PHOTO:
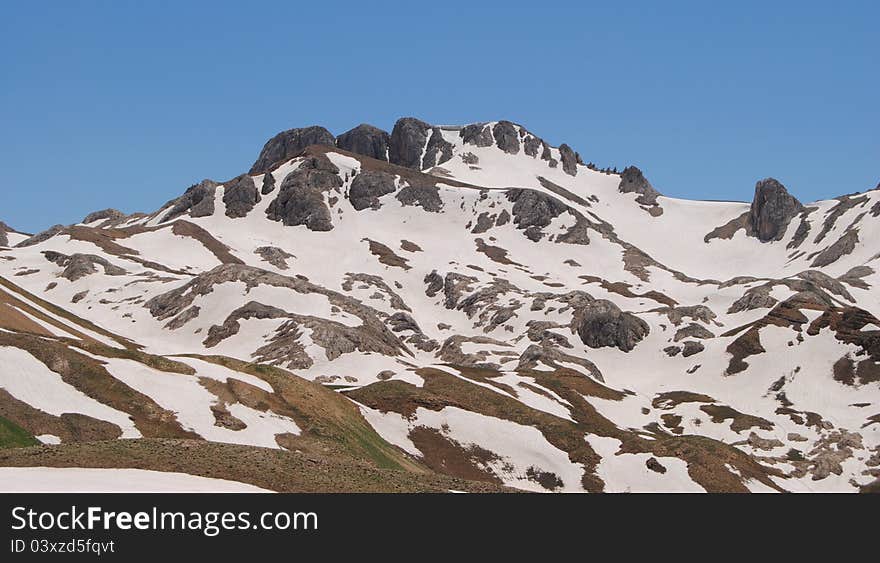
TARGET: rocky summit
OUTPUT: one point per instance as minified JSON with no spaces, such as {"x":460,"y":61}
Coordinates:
{"x":439,"y":308}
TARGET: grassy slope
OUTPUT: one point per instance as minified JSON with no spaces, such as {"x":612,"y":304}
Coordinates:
{"x":14,"y":436}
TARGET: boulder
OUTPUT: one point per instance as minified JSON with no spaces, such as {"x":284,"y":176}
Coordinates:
{"x":366,"y":140}
{"x":570,"y":159}
{"x":438,"y":151}
{"x":287,"y":144}
{"x":368,"y":186}
{"x":602,"y":323}
{"x":772,"y":209}
{"x":300,"y":199}
{"x":633,"y":181}
{"x":477,"y":134}
{"x":506,"y":137}
{"x":103,"y":214}
{"x":240,"y":195}
{"x":408,"y":139}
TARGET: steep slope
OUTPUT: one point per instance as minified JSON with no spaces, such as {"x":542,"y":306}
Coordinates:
{"x":498,"y":310}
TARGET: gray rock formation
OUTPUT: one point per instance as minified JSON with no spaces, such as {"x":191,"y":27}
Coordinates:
{"x":844,"y":245}
{"x":693,"y":330}
{"x":240,"y":195}
{"x":772,"y":209}
{"x":4,"y":229}
{"x":692,"y":347}
{"x":368,"y":186}
{"x":408,"y":140}
{"x":77,"y":266}
{"x":287,"y":144}
{"x":757,"y":297}
{"x":506,"y":137}
{"x":570,"y":159}
{"x":41,"y":236}
{"x":198,"y":200}
{"x":274,"y":255}
{"x":111,"y":214}
{"x":633,"y":181}
{"x":477,"y":134}
{"x":366,"y":140}
{"x":602,"y":323}
{"x":438,"y":151}
{"x":534,"y":210}
{"x":426,"y":196}
{"x":531,"y":144}
{"x":300,"y":199}
{"x":268,"y":184}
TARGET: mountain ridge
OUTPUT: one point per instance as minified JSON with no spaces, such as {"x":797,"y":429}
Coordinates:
{"x":496,"y":310}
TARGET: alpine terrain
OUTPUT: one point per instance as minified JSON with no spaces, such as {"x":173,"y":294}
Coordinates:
{"x":444,"y":308}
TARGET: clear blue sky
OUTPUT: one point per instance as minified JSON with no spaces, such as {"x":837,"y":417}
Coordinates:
{"x":124,"y":104}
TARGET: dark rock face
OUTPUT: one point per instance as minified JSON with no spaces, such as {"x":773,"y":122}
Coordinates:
{"x":506,"y":137}
{"x":41,"y":236}
{"x":477,"y":134}
{"x":772,"y":209}
{"x":198,"y":199}
{"x":408,"y":139}
{"x":633,"y":181}
{"x":426,"y":196}
{"x":531,"y":144}
{"x":533,"y":210}
{"x":103,"y":214}
{"x":288,"y":144}
{"x":240,"y":195}
{"x":366,"y":140}
{"x":268,"y":184}
{"x":844,"y":245}
{"x":275,"y":256}
{"x":570,"y":159}
{"x":434,"y":281}
{"x":602,"y":323}
{"x":4,"y":228}
{"x":77,"y":266}
{"x":692,"y":347}
{"x":368,"y":186}
{"x":300,"y":199}
{"x":655,"y":465}
{"x":438,"y":151}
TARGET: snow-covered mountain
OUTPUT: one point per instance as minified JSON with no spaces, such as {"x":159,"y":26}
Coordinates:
{"x":450,"y":308}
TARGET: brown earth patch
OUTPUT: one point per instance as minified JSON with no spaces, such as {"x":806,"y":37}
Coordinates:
{"x":386,"y":255}
{"x":740,"y":421}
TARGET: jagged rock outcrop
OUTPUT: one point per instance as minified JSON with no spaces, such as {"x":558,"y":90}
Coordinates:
{"x":111,"y":214}
{"x":287,"y":144}
{"x":368,"y":186}
{"x":198,"y":200}
{"x":602,"y":323}
{"x":844,"y":245}
{"x":41,"y":236}
{"x":300,"y":199}
{"x":438,"y":151}
{"x":275,"y":256}
{"x":506,"y":137}
{"x":477,"y":134}
{"x":426,"y":196}
{"x":4,"y":229}
{"x":633,"y":181}
{"x":570,"y":159}
{"x":77,"y":266}
{"x":366,"y":140}
{"x":772,"y":209}
{"x":240,"y":195}
{"x":268,"y":184}
{"x":408,"y":140}
{"x":533,"y":210}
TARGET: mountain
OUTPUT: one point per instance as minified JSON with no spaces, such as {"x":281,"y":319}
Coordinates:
{"x":450,"y":308}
